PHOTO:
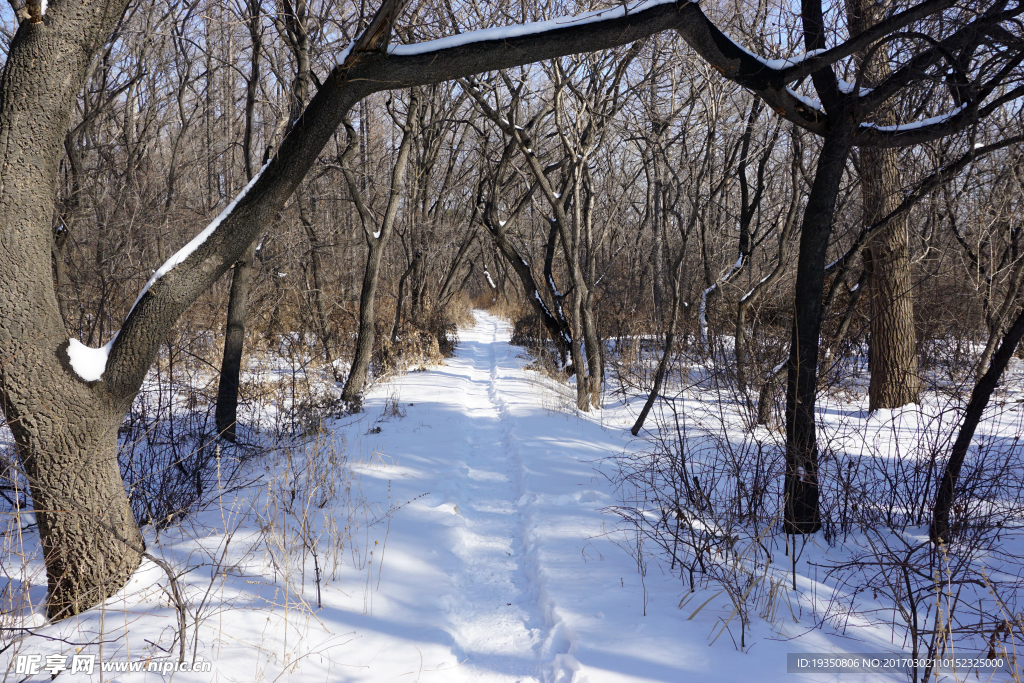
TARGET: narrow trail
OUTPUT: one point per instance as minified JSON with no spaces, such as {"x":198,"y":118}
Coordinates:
{"x":503,"y":564}
{"x":500,"y":611}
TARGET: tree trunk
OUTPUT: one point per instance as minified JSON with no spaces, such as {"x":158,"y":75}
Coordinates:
{"x":226,"y":414}
{"x":364,"y":340}
{"x":982,"y":392}
{"x":377,"y":236}
{"x":559,"y":334}
{"x":801,"y":486}
{"x":319,"y":290}
{"x":576,"y":352}
{"x":91,"y":543}
{"x":666,"y":354}
{"x":65,"y":430}
{"x":892,"y":357}
{"x":400,"y":301}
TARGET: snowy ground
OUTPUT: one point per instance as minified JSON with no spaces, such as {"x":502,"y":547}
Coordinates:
{"x":469,"y":542}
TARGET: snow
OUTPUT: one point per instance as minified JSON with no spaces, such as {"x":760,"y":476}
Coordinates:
{"x":517,"y":30}
{"x":344,"y":54}
{"x":785,"y":62}
{"x":847,"y":88}
{"x":536,"y":296}
{"x":749,"y":294}
{"x":199,"y":239}
{"x":480,"y":548}
{"x":89,"y":363}
{"x":702,"y":315}
{"x":930,"y":121}
{"x":809,"y":101}
{"x":702,"y":312}
{"x":376,"y":235}
{"x":776,"y":64}
{"x":553,"y":286}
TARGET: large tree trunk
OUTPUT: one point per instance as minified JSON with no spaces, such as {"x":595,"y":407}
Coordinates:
{"x":65,"y":430}
{"x":91,"y":543}
{"x":892,"y":360}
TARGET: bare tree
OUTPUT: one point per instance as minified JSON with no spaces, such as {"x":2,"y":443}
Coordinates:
{"x":377,"y":234}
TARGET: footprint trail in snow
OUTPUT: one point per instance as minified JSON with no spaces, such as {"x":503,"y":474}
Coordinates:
{"x":506,"y":571}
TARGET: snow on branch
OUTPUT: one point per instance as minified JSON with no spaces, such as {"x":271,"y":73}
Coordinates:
{"x":528,"y":29}
{"x":89,"y":363}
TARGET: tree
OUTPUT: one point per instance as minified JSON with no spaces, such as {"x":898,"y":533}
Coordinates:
{"x":238,"y":303}
{"x":892,"y":358}
{"x":377,"y":234}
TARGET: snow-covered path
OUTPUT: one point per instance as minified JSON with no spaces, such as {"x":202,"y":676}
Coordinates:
{"x":510,"y":553}
{"x":484,"y":554}
{"x":480,"y":514}
{"x":495,"y":564}
{"x":492,"y":554}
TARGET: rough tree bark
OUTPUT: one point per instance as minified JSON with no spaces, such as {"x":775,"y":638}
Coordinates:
{"x":892,"y":360}
{"x":65,"y":430}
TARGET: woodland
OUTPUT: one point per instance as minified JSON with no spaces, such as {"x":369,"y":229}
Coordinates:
{"x":802,"y":199}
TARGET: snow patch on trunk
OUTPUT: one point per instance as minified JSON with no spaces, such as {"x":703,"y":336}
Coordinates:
{"x":89,"y":363}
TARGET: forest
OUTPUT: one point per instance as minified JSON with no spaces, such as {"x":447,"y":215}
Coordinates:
{"x":226,"y":223}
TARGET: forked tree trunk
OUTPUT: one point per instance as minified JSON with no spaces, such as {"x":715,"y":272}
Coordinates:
{"x":65,"y":430}
{"x":377,"y":236}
